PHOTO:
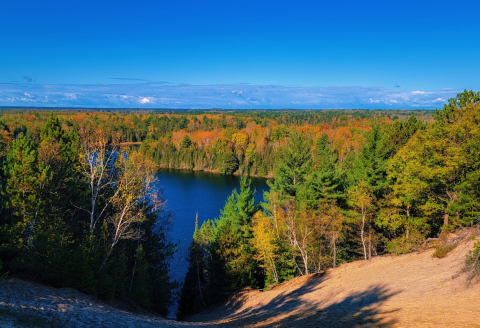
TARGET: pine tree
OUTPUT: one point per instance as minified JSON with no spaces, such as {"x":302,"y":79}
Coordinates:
{"x":325,"y":182}
{"x":141,"y":291}
{"x":24,"y":191}
{"x":370,"y":165}
{"x":293,"y":166}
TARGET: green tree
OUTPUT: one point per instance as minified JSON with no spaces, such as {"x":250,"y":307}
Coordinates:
{"x":325,"y":182}
{"x":370,"y":165}
{"x":221,"y":255}
{"x":25,"y":182}
{"x":360,"y":198}
{"x":195,"y":294}
{"x":293,"y":166}
{"x":141,"y":287}
{"x":186,"y":142}
{"x":400,"y":132}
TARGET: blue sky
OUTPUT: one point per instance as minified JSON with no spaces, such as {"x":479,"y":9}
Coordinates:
{"x":230,"y":54}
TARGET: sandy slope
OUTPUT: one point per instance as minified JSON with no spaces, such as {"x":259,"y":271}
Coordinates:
{"x":404,"y":291}
{"x":70,"y":307}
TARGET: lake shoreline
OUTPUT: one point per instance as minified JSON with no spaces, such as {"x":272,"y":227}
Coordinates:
{"x":215,"y":171}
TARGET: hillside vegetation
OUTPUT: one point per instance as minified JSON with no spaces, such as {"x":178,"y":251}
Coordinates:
{"x":412,"y":290}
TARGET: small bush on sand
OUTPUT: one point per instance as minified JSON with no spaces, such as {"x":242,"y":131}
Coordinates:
{"x":443,"y":246}
{"x":472,"y":264}
{"x":404,"y":245}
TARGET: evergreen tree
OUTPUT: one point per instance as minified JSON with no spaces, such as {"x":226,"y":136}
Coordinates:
{"x":245,"y":202}
{"x":221,"y":257}
{"x":197,"y":288}
{"x":325,"y":182}
{"x":24,"y":187}
{"x":371,"y":162}
{"x":293,"y":166}
{"x":368,"y":181}
{"x":141,"y":291}
{"x":400,"y":132}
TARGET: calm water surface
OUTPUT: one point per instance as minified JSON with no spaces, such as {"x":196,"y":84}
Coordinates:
{"x":191,"y":192}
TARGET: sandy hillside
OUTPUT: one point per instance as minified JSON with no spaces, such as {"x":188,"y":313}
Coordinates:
{"x":403,"y":291}
{"x":66,"y":307}
{"x":414,"y":290}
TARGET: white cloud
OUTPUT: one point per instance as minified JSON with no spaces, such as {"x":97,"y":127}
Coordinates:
{"x":71,"y":96}
{"x":219,"y":96}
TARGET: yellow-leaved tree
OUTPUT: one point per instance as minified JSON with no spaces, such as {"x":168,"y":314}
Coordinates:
{"x":264,"y":242}
{"x":361,"y":199}
{"x":134,"y":196}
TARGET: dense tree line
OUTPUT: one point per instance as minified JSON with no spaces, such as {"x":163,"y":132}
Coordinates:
{"x":221,"y":141}
{"x":78,"y":210}
{"x":405,"y":181}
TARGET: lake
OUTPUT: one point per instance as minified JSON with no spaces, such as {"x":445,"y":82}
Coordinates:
{"x":190,"y":192}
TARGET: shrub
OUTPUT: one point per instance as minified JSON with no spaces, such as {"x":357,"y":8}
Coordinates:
{"x":443,"y":246}
{"x":472,"y":264}
{"x":404,"y":245}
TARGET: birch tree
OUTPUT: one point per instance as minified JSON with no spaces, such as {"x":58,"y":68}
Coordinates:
{"x":98,"y":161}
{"x":133,"y":197}
{"x":360,"y":198}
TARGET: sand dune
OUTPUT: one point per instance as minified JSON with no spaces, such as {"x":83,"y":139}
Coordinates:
{"x":399,"y":291}
{"x":402,"y":291}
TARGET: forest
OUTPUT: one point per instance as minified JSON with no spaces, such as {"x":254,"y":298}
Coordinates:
{"x":78,"y":210}
{"x":342,"y":193}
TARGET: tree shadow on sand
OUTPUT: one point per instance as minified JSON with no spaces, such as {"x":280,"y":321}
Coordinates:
{"x":296,"y":309}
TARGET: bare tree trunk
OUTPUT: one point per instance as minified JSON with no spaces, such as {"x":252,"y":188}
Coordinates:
{"x":369,"y":244}
{"x":274,"y":269}
{"x":198,"y":279}
{"x":134,"y":263}
{"x":319,"y":260}
{"x":362,"y":234}
{"x":106,"y":257}
{"x":445,"y":219}
{"x":408,"y":231}
{"x":304,"y":255}
{"x":334,"y":251}
{"x":296,"y":264}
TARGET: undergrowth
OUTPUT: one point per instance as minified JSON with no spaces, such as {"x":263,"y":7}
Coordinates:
{"x":443,"y":246}
{"x":472,"y":264}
